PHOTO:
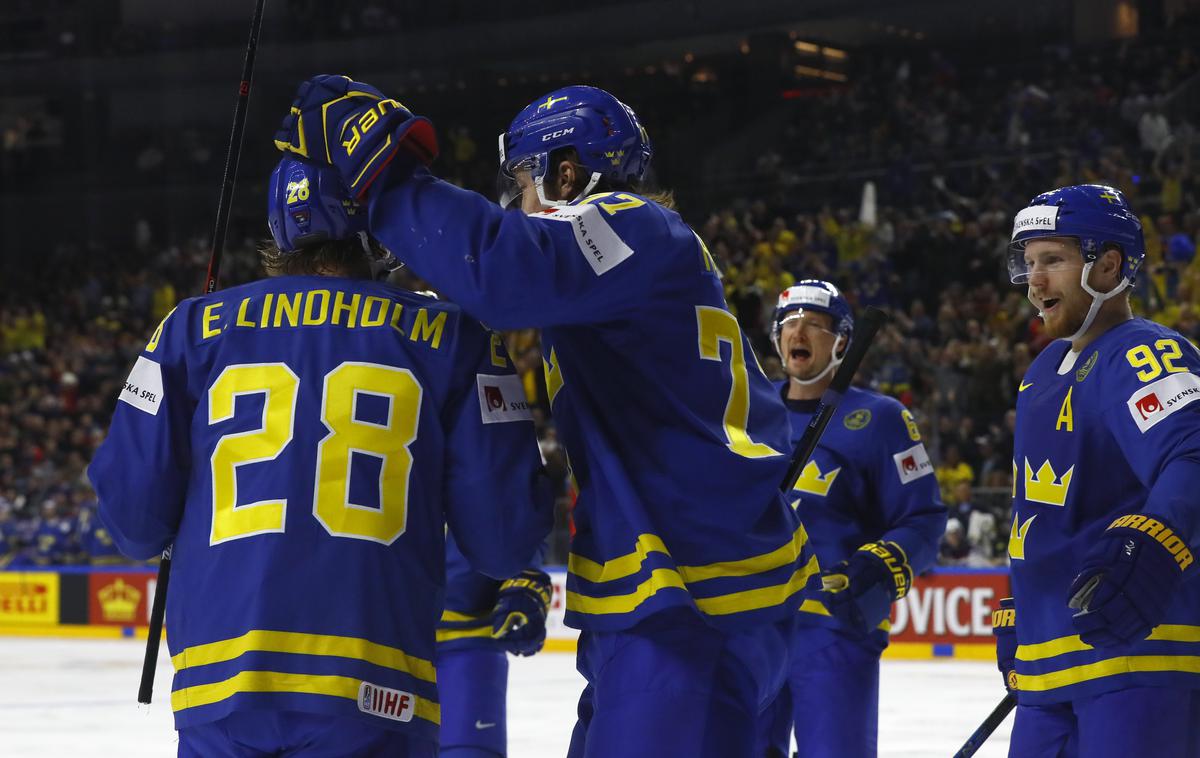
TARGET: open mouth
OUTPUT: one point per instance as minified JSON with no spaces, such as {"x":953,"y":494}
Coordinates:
{"x":800,"y":353}
{"x":1048,"y":305}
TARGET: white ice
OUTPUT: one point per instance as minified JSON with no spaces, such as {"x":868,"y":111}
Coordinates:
{"x":77,"y":699}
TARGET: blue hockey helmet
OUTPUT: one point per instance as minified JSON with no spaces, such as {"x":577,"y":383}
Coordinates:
{"x":307,"y":204}
{"x":1096,"y":216}
{"x":606,"y":133}
{"x":816,"y":296}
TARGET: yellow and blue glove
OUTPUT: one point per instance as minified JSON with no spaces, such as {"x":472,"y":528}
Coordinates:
{"x":354,"y":128}
{"x":1127,"y":580}
{"x":1004,"y":628}
{"x":519,"y":619}
{"x":860,"y":591}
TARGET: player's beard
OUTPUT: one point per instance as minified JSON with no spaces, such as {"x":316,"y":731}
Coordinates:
{"x":811,"y":368}
{"x":1065,"y":319}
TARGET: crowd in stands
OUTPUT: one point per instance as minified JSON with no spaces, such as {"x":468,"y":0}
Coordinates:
{"x":924,"y":237}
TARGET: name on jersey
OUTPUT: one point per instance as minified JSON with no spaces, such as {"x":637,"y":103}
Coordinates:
{"x":502,"y":399}
{"x":386,"y":702}
{"x":322,"y":307}
{"x":144,"y":386}
{"x":1036,"y":218}
{"x":1158,"y":400}
{"x":913,"y":463}
{"x":600,"y":245}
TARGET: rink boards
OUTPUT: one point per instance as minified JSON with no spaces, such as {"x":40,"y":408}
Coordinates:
{"x":946,"y":614}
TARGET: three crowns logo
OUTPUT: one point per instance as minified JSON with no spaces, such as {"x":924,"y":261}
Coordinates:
{"x":814,"y":482}
{"x":1016,"y":538}
{"x":119,"y":601}
{"x":1042,"y":487}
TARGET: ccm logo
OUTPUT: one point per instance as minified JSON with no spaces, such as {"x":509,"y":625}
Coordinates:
{"x":557,"y":134}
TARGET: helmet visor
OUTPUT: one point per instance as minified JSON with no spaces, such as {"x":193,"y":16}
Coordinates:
{"x":1049,"y":259}
{"x":517,"y":174}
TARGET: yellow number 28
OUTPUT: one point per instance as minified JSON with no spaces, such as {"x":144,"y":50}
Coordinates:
{"x":716,"y":326}
{"x":346,"y":436}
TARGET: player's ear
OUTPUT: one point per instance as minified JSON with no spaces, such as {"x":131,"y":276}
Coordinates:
{"x":566,"y":182}
{"x":1110,"y":265}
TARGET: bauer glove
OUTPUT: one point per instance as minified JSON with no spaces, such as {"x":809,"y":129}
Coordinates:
{"x":1128,"y":577}
{"x":1004,"y":627}
{"x":519,"y":619}
{"x":860,"y":591}
{"x":354,"y":128}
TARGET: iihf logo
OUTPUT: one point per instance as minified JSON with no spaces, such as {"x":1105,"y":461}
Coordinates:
{"x":1149,"y":405}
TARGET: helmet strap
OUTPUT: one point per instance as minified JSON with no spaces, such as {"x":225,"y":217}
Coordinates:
{"x":1098,"y":299}
{"x":835,"y":360}
{"x":539,"y":185}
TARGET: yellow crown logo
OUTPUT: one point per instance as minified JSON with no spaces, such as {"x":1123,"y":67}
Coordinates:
{"x":814,"y":482}
{"x":1042,"y":488}
{"x":119,"y":601}
{"x":1016,"y":538}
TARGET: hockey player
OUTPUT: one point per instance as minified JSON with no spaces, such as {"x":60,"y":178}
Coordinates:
{"x":870,"y":504}
{"x":302,"y":441}
{"x":687,"y":563}
{"x":1105,"y":511}
{"x":483,"y":620}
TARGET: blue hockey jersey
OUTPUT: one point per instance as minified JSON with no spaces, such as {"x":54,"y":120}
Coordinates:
{"x":676,"y":438}
{"x":1128,"y":442}
{"x":869,"y":479}
{"x":304,"y":441}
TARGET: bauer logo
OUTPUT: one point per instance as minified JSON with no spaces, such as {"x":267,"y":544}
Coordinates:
{"x":913,"y":463}
{"x":386,"y":702}
{"x":1038,"y":218}
{"x":502,"y":398}
{"x":1156,"y":401}
{"x":144,"y":388}
{"x":599,"y":244}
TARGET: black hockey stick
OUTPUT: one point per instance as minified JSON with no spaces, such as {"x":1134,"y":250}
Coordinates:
{"x":158,"y":609}
{"x":864,"y":335}
{"x":976,"y":740}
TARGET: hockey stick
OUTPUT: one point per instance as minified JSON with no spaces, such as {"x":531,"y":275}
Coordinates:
{"x":864,"y":335}
{"x":158,"y":609}
{"x":976,"y":740}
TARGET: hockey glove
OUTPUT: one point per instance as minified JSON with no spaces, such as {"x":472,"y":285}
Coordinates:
{"x":1004,"y":627}
{"x":860,"y":591}
{"x":519,"y":618}
{"x":1127,"y":580}
{"x":354,"y":128}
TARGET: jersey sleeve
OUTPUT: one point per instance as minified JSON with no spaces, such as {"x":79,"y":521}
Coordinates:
{"x":1155,"y":420}
{"x":584,"y":263}
{"x":913,"y":514}
{"x":140,"y":471}
{"x":496,"y":504}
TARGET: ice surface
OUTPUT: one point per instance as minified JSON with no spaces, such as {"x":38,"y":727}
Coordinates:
{"x":77,"y":699}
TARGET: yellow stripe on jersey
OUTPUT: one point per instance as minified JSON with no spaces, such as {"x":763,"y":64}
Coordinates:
{"x":763,"y":597}
{"x":617,"y":568}
{"x":1073,"y":644}
{"x":818,"y":608}
{"x":630,"y":563}
{"x":280,"y":681}
{"x":456,"y":617}
{"x":300,"y":643}
{"x":446,"y":635}
{"x":718,"y":605}
{"x":1125,"y":664}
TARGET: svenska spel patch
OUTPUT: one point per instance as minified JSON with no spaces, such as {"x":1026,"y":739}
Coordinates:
{"x":600,"y":245}
{"x":144,"y":387}
{"x":502,"y":399}
{"x":1156,"y":401}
